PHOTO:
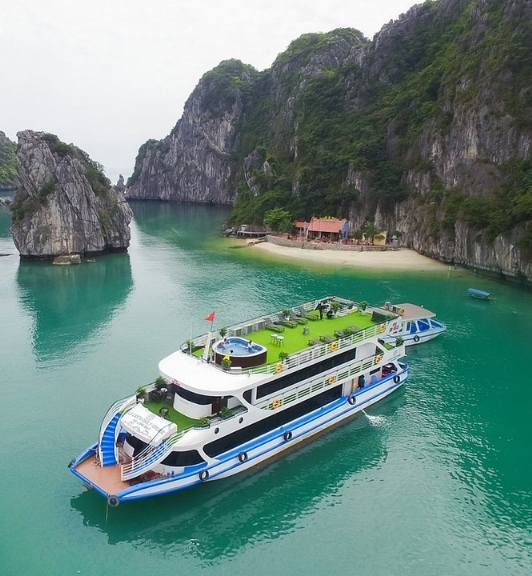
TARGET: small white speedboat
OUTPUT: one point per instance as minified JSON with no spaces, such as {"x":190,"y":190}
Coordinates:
{"x":414,"y":325}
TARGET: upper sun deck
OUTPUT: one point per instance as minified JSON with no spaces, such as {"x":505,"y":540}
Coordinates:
{"x":302,"y":338}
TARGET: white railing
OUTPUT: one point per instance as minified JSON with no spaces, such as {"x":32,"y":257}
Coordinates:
{"x":149,"y":457}
{"x":117,"y":406}
{"x":296,"y":359}
{"x":327,"y":379}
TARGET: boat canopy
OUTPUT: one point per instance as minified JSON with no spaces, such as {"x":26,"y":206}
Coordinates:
{"x":478,"y":293}
{"x":147,"y":426}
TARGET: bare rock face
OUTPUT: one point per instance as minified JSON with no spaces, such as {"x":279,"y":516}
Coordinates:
{"x":64,"y":204}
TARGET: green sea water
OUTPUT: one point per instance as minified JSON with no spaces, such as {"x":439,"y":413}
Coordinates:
{"x":436,"y":480}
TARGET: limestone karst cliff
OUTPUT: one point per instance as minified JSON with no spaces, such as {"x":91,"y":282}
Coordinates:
{"x":64,"y":204}
{"x":426,"y":130}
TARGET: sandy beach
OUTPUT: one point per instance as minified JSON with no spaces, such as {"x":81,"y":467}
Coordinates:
{"x":402,"y":259}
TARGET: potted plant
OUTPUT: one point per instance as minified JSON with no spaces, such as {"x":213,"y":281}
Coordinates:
{"x":226,"y":362}
{"x":160,"y":382}
{"x":141,"y":393}
{"x":286,"y":313}
{"x":335,"y":306}
{"x":283,"y":356}
{"x":399,"y":341}
{"x":204,"y":422}
{"x":363,"y":305}
{"x":223,"y":332}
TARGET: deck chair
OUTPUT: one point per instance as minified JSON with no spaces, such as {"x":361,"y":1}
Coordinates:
{"x":326,"y":338}
{"x":313,"y":342}
{"x":290,"y":323}
{"x":354,"y":328}
{"x":297,"y":318}
{"x":312,"y":315}
{"x":270,"y":325}
{"x":341,"y":333}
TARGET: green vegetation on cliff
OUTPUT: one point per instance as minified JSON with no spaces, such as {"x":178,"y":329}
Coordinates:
{"x":448,"y":67}
{"x":8,"y":164}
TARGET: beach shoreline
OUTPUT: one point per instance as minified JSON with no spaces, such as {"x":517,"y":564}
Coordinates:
{"x":397,"y":259}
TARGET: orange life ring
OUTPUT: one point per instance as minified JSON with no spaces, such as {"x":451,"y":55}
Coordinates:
{"x":276,"y":403}
{"x":332,"y":379}
{"x":278,"y":367}
{"x":334,"y":346}
{"x":378,"y":358}
{"x":382,"y":328}
{"x":401,"y":311}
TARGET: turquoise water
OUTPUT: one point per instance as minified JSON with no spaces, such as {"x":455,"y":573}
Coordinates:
{"x":435,"y":481}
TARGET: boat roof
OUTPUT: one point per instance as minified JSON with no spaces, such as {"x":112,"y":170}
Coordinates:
{"x":187,"y":369}
{"x":413,"y":311}
{"x":478,"y":292}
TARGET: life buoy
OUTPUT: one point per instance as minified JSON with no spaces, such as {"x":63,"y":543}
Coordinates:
{"x":334,"y":346}
{"x":401,"y":311}
{"x":382,"y":328}
{"x":378,"y":358}
{"x":352,"y":399}
{"x":243,"y":457}
{"x":416,"y":338}
{"x":278,"y":367}
{"x":331,"y":379}
{"x":204,"y":475}
{"x":287,"y":436}
{"x":276,"y":403}
{"x":113,"y":501}
{"x":396,"y":379}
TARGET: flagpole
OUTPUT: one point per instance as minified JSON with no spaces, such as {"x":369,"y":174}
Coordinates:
{"x":208,"y":342}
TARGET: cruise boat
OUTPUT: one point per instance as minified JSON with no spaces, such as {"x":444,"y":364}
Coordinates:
{"x":414,"y":324}
{"x":237,"y":397}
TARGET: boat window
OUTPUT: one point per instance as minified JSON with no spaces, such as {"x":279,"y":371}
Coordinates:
{"x":423,"y":324}
{"x":436,"y":324}
{"x":304,"y":373}
{"x":188,"y":458}
{"x":271,"y":422}
{"x":247,"y":396}
{"x":193,"y":396}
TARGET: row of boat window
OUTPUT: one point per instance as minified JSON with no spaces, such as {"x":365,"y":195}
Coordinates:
{"x":307,"y":372}
{"x":247,"y":433}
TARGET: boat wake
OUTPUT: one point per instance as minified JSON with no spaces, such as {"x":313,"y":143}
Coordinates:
{"x":375,"y":420}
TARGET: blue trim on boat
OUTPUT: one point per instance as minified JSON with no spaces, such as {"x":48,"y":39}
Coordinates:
{"x":266,"y":438}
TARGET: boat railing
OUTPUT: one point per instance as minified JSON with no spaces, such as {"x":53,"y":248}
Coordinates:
{"x":296,"y":359}
{"x":148,"y":457}
{"x":117,"y":406}
{"x":317,"y":384}
{"x":314,"y":352}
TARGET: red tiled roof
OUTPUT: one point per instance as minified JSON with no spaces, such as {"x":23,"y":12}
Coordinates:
{"x":326,"y":225}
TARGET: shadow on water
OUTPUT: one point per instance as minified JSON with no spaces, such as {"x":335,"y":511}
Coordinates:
{"x":218,"y":519}
{"x":69,"y":303}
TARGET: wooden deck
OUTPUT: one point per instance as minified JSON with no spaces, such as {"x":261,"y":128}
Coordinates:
{"x":107,"y":478}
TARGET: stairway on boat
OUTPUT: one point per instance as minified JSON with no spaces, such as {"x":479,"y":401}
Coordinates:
{"x":108,"y":442}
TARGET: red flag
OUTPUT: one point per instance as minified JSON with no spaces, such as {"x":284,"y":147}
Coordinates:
{"x":210,"y":317}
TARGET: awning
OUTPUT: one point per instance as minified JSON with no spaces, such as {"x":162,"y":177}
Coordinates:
{"x":147,"y":426}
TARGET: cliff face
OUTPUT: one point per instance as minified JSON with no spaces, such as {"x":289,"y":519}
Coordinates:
{"x":193,"y":163}
{"x":64,"y":204}
{"x":426,"y":130}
